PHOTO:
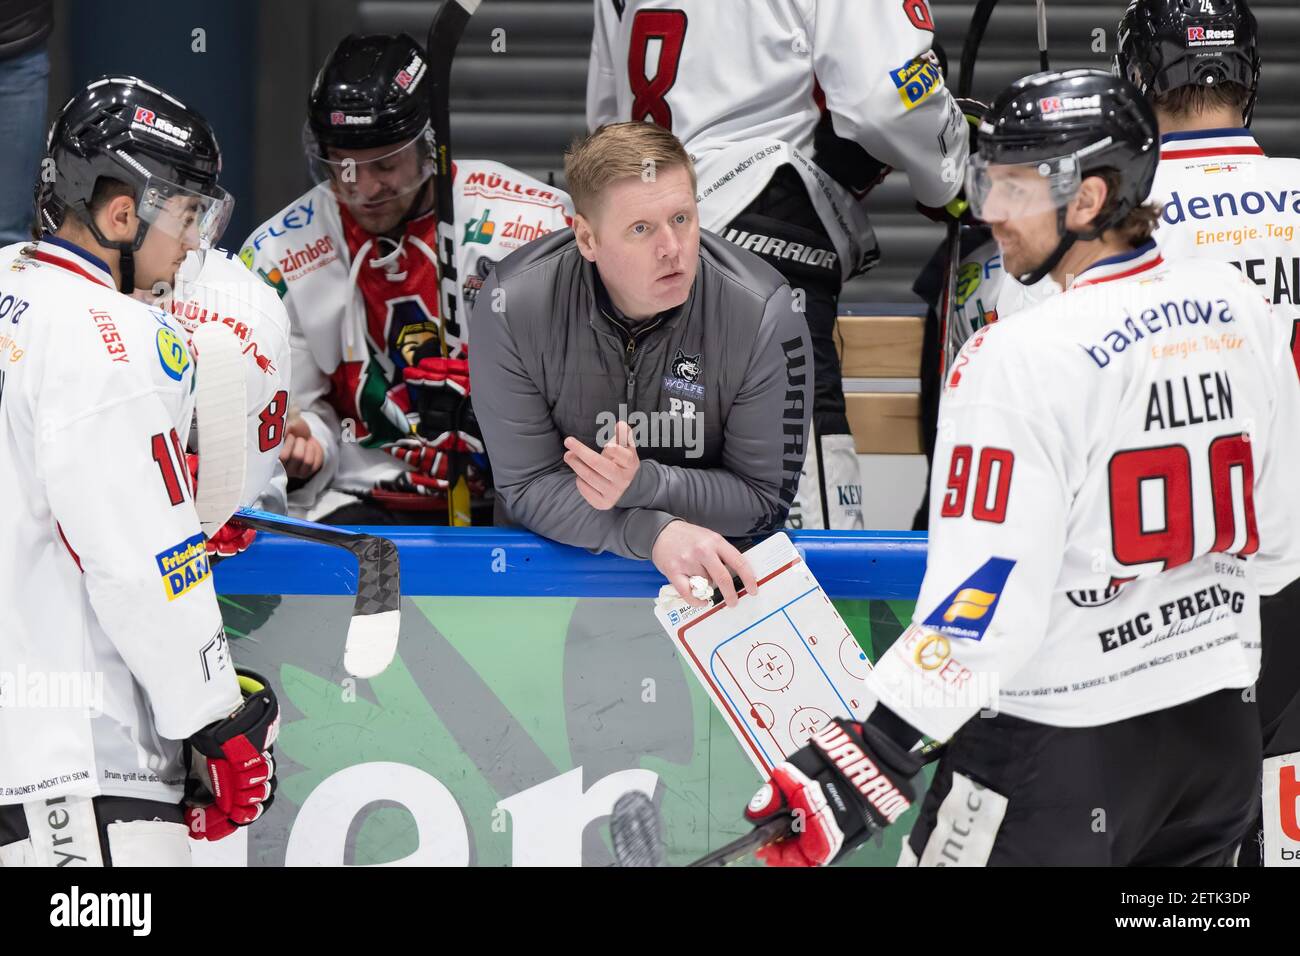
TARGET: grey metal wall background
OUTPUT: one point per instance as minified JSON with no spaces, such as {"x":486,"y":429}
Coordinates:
{"x":523,"y":105}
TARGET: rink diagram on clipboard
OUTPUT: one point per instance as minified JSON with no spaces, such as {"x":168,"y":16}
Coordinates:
{"x":781,"y":677}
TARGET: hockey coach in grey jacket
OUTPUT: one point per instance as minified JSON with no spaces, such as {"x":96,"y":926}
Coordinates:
{"x":642,"y":387}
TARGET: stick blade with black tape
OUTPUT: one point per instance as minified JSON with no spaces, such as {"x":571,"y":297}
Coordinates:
{"x":376,"y":615}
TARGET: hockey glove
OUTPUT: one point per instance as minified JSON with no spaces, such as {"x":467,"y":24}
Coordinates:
{"x":432,"y":470}
{"x":975,"y":112}
{"x":847,"y":783}
{"x":439,"y":389}
{"x":240,"y":770}
{"x":447,"y":431}
{"x":232,"y":538}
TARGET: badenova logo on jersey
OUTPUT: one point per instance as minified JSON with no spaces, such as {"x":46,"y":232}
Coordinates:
{"x":75,"y":908}
{"x":1153,"y":321}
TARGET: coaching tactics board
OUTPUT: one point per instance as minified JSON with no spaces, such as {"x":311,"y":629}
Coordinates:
{"x":780,"y":664}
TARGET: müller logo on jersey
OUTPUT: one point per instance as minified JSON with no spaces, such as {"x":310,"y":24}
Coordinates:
{"x":183,"y":566}
{"x":160,"y":125}
{"x":192,"y":313}
{"x":501,"y":184}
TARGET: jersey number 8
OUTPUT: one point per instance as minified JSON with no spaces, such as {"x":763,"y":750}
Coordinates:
{"x":668,"y":27}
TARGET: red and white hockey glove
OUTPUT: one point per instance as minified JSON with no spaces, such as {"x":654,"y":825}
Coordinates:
{"x":232,"y":538}
{"x":439,"y":389}
{"x":847,"y":783}
{"x":447,"y":431}
{"x":236,"y":753}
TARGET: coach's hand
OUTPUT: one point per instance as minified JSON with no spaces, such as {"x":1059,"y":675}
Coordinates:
{"x":603,"y":477}
{"x":683,"y":550}
{"x":300,"y":453}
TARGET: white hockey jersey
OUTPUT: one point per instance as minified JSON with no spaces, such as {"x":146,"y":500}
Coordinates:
{"x":742,"y":83}
{"x":111,"y":644}
{"x":218,"y":288}
{"x":1112,"y":492}
{"x":359,"y":307}
{"x":1225,"y":200}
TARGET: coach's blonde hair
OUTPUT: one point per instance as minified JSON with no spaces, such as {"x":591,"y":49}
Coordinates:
{"x":620,"y":151}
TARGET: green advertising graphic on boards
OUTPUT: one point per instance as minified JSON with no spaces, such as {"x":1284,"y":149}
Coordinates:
{"x":501,"y":735}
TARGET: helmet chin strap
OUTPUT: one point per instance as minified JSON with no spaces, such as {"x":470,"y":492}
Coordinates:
{"x":1066,"y":240}
{"x":126,"y":252}
{"x":1068,"y":237}
{"x":126,"y":268}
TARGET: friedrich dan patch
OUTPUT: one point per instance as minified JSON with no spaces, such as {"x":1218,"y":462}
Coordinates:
{"x":184,"y":566}
{"x":917,"y":81}
{"x":968,"y":611}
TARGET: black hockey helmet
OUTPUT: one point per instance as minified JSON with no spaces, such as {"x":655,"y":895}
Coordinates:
{"x":1168,"y":44}
{"x":370,"y":92}
{"x":125,"y":129}
{"x":1061,"y":128}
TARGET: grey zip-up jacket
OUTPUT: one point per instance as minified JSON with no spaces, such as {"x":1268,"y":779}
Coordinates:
{"x":718,"y":393}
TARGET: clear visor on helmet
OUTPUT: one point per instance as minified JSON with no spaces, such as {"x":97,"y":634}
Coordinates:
{"x":196,"y":218}
{"x":371,"y":177}
{"x":1000,"y":192}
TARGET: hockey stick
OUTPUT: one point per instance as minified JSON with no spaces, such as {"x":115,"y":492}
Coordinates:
{"x":634,"y":831}
{"x":949,"y":339}
{"x":774,"y":831}
{"x":444,"y":36}
{"x":220,"y":410}
{"x":376,"y":615}
{"x":1043,"y":63}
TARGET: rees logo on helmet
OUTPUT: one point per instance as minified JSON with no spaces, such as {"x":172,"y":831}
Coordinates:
{"x":159,"y":125}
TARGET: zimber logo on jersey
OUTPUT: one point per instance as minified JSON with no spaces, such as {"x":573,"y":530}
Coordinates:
{"x":916,"y":81}
{"x":968,"y":611}
{"x":184,"y":566}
